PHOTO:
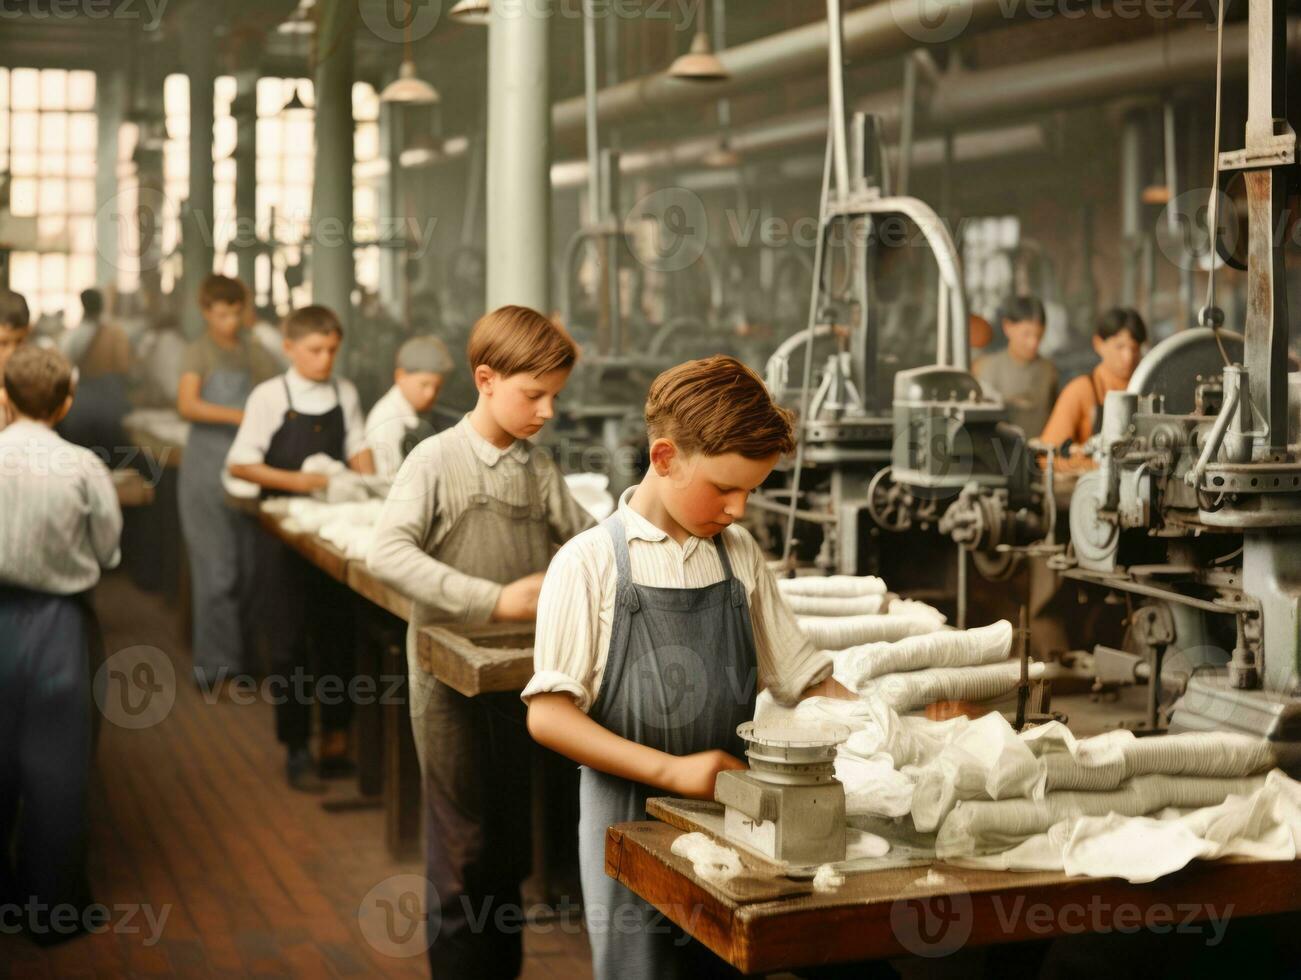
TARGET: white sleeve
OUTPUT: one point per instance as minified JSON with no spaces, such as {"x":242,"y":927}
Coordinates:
{"x":105,"y":517}
{"x":565,"y":653}
{"x":788,"y":663}
{"x":354,"y":422}
{"x":263,"y":414}
{"x":384,"y":435}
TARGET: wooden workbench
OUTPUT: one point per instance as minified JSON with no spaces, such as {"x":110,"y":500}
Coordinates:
{"x":762,"y":922}
{"x":132,"y":489}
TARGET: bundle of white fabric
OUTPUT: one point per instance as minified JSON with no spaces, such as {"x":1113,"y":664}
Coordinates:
{"x":834,"y":595}
{"x":349,"y":527}
{"x":901,"y":618}
{"x":592,"y":490}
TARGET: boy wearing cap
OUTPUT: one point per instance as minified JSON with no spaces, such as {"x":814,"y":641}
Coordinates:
{"x":394,"y":426}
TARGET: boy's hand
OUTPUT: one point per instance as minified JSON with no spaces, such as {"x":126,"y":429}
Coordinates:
{"x":518,"y":602}
{"x":693,"y":775}
{"x":310,"y":482}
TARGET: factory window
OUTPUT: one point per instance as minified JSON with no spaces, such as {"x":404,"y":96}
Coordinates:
{"x":285,"y":168}
{"x":48,"y":134}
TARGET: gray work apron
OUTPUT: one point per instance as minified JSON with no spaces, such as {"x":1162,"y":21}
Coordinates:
{"x":220,"y":540}
{"x":475,"y":752}
{"x":680,"y":677}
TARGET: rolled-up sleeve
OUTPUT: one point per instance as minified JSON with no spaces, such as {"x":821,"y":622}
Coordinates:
{"x":788,"y":663}
{"x":565,"y":646}
{"x":354,"y":422}
{"x":398,"y":556}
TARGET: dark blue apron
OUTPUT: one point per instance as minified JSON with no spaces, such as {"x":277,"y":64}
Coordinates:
{"x":680,"y":677}
{"x":220,"y":540}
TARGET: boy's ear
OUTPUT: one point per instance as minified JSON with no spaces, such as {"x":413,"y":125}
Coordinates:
{"x":288,"y":345}
{"x":484,"y":379}
{"x":63,"y":410}
{"x":662,"y":453}
{"x":1097,"y":345}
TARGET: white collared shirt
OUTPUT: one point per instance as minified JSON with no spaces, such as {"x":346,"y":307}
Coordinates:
{"x":576,"y":608}
{"x":432,"y":489}
{"x":61,"y":520}
{"x":387,"y":425}
{"x":264,"y":413}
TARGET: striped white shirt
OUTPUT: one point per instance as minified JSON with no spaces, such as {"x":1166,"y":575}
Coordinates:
{"x":576,"y":608}
{"x":61,"y":521}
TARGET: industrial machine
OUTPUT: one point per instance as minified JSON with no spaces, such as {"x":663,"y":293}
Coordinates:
{"x":1195,"y":507}
{"x":788,"y":806}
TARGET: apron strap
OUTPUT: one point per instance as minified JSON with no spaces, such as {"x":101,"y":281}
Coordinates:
{"x":624,"y":592}
{"x":735,"y":587}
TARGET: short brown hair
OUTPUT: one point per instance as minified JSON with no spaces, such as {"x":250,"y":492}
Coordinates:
{"x":309,"y":320}
{"x":14,"y":313}
{"x":715,"y":406}
{"x":221,"y":289}
{"x":37,"y":381}
{"x":518,"y":340}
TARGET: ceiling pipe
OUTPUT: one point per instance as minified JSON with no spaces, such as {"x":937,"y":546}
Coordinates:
{"x":882,"y":30}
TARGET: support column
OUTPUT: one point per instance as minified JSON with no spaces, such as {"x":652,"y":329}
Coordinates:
{"x":244,"y":109}
{"x":110,"y":109}
{"x":201,"y":64}
{"x":1131,"y":191}
{"x":333,"y":269}
{"x":519,"y":157}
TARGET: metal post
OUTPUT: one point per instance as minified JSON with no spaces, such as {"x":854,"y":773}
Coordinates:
{"x":962,"y":588}
{"x":245,"y":111}
{"x":1131,"y":166}
{"x":907,"y":117}
{"x":519,"y":145}
{"x":200,"y":56}
{"x":110,"y":103}
{"x":333,"y":269}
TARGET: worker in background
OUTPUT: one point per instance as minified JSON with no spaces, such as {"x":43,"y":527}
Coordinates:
{"x":15,"y":323}
{"x":670,"y":587}
{"x":101,"y":353}
{"x":980,"y":332}
{"x":467,"y":531}
{"x":396,"y":424}
{"x":62,"y":526}
{"x":1118,"y":341}
{"x":218,"y":370}
{"x":1026,"y":382}
{"x":304,"y":416}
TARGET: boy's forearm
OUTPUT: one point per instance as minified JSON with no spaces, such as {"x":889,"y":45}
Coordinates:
{"x":363,"y":462}
{"x":557,"y":723}
{"x":286,"y":481}
{"x":200,"y":411}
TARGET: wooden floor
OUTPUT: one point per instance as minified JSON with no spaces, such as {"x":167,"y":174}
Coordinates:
{"x":192,"y":819}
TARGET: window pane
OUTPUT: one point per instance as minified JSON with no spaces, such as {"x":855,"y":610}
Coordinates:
{"x":83,"y":132}
{"x":81,"y":197}
{"x":26,"y":88}
{"x":26,"y":164}
{"x":22,"y":196}
{"x":81,"y":91}
{"x":83,"y":165}
{"x":50,"y":229}
{"x":54,"y":89}
{"x":26,"y":131}
{"x":54,"y":195}
{"x":54,"y":132}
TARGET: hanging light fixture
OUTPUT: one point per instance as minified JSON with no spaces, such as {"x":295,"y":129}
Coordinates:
{"x":300,"y":21}
{"x":409,"y":88}
{"x":699,"y":64}
{"x":722,"y":156}
{"x":475,"y":13}
{"x":295,"y":103}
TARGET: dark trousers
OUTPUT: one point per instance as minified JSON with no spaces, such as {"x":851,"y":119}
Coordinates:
{"x":45,"y":753}
{"x":310,"y":627}
{"x":478,"y":840}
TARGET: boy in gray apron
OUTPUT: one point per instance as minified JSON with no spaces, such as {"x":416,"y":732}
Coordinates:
{"x":468,"y":528}
{"x":655,"y":632}
{"x":218,"y":370}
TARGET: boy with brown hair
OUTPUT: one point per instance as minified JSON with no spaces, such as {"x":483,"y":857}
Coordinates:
{"x":467,"y":532}
{"x":15,"y":322}
{"x":218,"y":371}
{"x":305,"y":412}
{"x":62,"y":525}
{"x":655,"y":633}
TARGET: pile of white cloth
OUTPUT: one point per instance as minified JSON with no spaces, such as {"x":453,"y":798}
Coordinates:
{"x":835,"y":595}
{"x":900,"y":618}
{"x":350,"y":527}
{"x":164,"y":424}
{"x":592,"y":490}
